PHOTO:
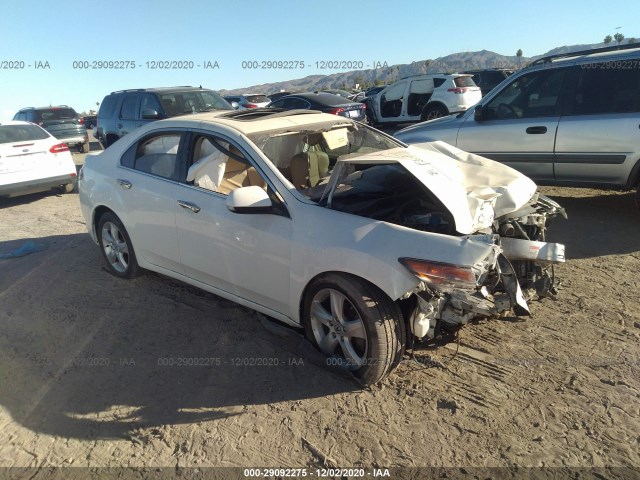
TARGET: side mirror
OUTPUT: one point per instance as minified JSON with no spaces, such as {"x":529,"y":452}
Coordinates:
{"x":478,"y":114}
{"x":235,"y":105}
{"x":149,"y":114}
{"x":249,"y":200}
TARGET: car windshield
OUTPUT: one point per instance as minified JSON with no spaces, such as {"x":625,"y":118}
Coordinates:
{"x":182,"y":103}
{"x":21,"y":133}
{"x":306,"y":155}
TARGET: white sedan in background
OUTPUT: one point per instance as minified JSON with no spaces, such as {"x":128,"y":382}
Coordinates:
{"x":31,"y":160}
{"x":323,"y":223}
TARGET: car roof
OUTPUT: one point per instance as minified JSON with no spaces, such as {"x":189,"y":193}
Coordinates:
{"x":323,"y":98}
{"x":617,"y":51}
{"x":181,"y":88}
{"x":254,"y":120}
{"x":16,"y":122}
{"x":49,"y":107}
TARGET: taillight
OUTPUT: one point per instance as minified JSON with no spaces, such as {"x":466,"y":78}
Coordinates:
{"x":364,"y":107}
{"x":251,"y":105}
{"x":336,"y":111}
{"x":59,"y":148}
{"x":458,"y":90}
{"x":81,"y":121}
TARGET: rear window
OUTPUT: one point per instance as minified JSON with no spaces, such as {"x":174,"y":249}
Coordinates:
{"x":257,"y":98}
{"x":55,"y":114}
{"x":464,"y":82}
{"x":330,"y":99}
{"x":21,"y":133}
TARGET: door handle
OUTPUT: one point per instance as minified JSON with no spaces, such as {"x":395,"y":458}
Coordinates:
{"x":189,"y":206}
{"x":536,"y":130}
{"x":124,"y":183}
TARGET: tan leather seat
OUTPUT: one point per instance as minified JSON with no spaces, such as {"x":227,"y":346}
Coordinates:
{"x":238,"y":174}
{"x":308,"y":168}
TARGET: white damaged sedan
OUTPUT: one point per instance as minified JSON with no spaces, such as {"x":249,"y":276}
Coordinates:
{"x":326,"y":224}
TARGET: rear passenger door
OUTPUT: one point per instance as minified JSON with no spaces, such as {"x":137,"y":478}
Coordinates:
{"x":146,"y":181}
{"x":128,"y":115}
{"x":519,"y":123}
{"x":598,"y":140}
{"x":243,"y":254}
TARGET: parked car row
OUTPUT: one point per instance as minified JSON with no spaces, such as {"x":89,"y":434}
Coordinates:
{"x":569,"y":119}
{"x":32,"y":160}
{"x":61,"y":121}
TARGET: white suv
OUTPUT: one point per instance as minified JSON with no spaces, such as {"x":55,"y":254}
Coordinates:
{"x":423,"y":97}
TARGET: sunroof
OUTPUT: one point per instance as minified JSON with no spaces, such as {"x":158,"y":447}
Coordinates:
{"x":260,"y":113}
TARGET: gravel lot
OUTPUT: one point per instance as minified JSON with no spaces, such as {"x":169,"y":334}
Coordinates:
{"x":101,"y":372}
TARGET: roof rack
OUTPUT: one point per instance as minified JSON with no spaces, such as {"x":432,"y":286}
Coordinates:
{"x":152,"y":88}
{"x":591,"y":51}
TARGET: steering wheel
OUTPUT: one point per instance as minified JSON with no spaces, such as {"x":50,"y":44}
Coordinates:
{"x":506,"y":111}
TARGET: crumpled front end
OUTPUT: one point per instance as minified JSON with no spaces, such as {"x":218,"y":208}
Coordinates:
{"x":518,"y":268}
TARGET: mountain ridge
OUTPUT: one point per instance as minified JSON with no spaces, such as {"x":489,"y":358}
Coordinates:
{"x":455,"y":62}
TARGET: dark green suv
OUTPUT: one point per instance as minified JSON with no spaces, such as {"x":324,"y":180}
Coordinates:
{"x":62,"y":121}
{"x":125,"y":110}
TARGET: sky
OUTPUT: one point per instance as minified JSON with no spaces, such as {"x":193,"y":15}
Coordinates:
{"x":60,"y":52}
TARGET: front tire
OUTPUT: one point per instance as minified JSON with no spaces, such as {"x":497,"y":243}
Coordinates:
{"x":355,"y":325}
{"x":116,"y":247}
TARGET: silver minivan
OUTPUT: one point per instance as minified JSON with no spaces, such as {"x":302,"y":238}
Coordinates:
{"x":570,"y":119}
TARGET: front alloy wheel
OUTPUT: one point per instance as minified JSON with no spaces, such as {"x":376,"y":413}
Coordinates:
{"x":338,"y":328}
{"x":355,"y":325}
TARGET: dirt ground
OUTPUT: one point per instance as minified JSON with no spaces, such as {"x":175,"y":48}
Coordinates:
{"x":101,"y":372}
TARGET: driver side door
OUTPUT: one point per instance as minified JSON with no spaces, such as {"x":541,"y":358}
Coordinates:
{"x":244,"y":254}
{"x":519,"y":123}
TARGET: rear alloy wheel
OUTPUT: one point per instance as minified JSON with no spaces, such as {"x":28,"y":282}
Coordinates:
{"x":355,"y":325}
{"x":117,"y":249}
{"x":433,"y":112}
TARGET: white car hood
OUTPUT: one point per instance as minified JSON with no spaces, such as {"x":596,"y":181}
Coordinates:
{"x":465,"y":183}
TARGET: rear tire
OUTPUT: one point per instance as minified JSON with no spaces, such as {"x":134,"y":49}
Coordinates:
{"x":116,"y":247}
{"x":355,"y":325}
{"x":432,"y":112}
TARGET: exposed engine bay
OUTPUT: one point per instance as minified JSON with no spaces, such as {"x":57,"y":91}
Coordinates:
{"x":518,"y":268}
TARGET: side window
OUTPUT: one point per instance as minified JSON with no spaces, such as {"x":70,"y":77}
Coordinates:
{"x":108,"y":106}
{"x":157,"y":155}
{"x":128,"y":109}
{"x":277,"y":104}
{"x":536,"y":94}
{"x":438,"y":81}
{"x":149,"y":102}
{"x":220,"y":166}
{"x":607,"y":90}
